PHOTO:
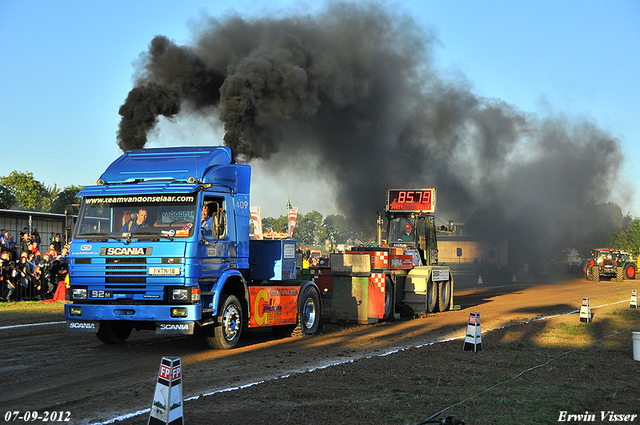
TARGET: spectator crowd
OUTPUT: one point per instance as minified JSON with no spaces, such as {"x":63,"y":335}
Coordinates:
{"x":25,"y":272}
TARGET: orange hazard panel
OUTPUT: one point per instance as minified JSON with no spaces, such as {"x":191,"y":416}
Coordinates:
{"x":375,"y":308}
{"x":273,"y":305}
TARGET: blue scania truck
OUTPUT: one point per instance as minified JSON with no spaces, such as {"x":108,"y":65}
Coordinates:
{"x":162,"y":243}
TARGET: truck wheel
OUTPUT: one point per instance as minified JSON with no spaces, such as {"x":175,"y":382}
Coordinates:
{"x":444,"y":295}
{"x":619,"y":274}
{"x":587,"y":272}
{"x":630,"y":271}
{"x":309,"y":314}
{"x":114,"y":332}
{"x":432,"y":296}
{"x":388,"y":298}
{"x":226,"y":331}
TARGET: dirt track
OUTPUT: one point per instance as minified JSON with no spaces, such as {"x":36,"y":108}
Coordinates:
{"x":46,"y":369}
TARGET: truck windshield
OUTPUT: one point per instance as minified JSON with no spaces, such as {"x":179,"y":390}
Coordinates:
{"x":402,"y":231}
{"x":171,"y":216}
{"x":413,"y":232}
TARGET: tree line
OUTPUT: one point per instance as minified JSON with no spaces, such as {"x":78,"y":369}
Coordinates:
{"x":21,"y":191}
{"x":312,"y":229}
{"x":600,"y":224}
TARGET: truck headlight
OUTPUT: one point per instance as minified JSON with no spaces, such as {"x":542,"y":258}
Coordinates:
{"x":79,"y":294}
{"x":180,"y":294}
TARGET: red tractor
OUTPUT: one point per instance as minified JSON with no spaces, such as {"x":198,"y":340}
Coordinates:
{"x":609,"y":263}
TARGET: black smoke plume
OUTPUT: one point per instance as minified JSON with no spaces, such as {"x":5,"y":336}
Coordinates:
{"x":355,"y":86}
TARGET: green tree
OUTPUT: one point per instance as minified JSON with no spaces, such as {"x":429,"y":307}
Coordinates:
{"x":30,"y":194}
{"x":342,"y":230}
{"x":277,"y":224}
{"x":52,"y":191}
{"x":310,"y":230}
{"x":6,"y":198}
{"x":627,"y":237}
{"x":65,"y":197}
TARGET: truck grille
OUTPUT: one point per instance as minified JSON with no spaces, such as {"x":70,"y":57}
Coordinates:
{"x":125,"y":279}
{"x":126,"y":271}
{"x":126,"y":260}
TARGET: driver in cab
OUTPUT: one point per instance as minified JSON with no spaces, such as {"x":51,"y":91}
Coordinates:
{"x":140,"y":221}
{"x":407,"y":236}
{"x":207,"y":220}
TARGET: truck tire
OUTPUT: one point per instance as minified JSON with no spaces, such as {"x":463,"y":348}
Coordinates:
{"x":432,"y":296}
{"x":309,"y":314}
{"x":388,"y":298}
{"x":444,"y":295}
{"x":113,"y":332}
{"x":619,"y":274}
{"x":595,"y":274}
{"x":630,"y":271}
{"x":228,"y":327}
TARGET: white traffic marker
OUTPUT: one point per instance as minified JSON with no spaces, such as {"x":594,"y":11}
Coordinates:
{"x":473,"y":339}
{"x":634,"y":299}
{"x":166,"y":408}
{"x":585,"y":311}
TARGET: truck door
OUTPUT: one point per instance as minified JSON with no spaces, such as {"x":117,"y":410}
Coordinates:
{"x":217,"y":234}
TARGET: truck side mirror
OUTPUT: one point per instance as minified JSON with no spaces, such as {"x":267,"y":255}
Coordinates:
{"x":219,"y":228}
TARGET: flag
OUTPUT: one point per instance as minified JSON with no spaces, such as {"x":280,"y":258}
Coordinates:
{"x":256,"y":217}
{"x":289,"y":206}
{"x":293,"y":214}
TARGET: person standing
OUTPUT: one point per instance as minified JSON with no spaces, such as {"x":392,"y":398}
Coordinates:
{"x":7,"y":276}
{"x":36,"y":235}
{"x":24,"y":243}
{"x":57,"y":243}
{"x":45,"y":276}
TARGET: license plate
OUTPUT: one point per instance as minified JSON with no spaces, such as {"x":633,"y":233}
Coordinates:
{"x":164,"y":271}
{"x":101,"y":294}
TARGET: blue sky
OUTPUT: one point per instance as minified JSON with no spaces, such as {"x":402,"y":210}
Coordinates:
{"x":67,"y":66}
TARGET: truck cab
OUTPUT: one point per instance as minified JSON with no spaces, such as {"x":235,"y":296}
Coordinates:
{"x":414,"y":231}
{"x":162,"y":243}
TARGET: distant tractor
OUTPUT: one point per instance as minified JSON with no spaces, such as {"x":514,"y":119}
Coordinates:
{"x":627,"y":262}
{"x":613,"y":264}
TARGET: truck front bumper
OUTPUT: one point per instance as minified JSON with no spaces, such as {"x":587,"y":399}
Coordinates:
{"x":167,"y":318}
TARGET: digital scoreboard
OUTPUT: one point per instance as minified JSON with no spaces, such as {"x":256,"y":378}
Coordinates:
{"x":412,"y":200}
